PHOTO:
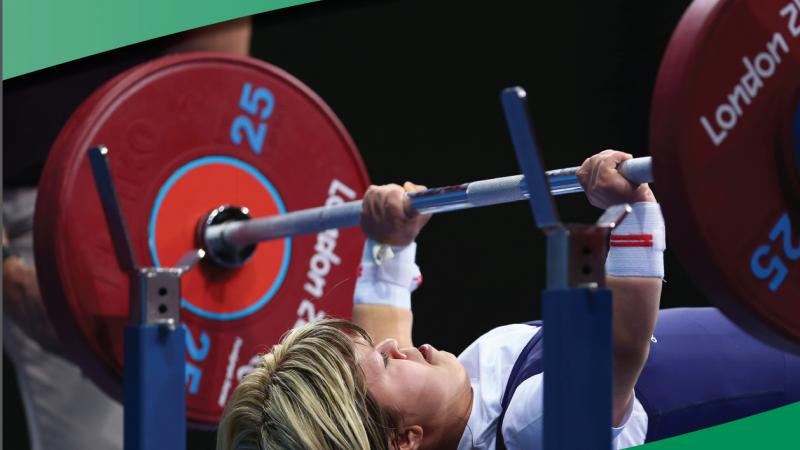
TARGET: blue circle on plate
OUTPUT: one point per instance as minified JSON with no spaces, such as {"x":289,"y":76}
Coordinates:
{"x":151,"y":241}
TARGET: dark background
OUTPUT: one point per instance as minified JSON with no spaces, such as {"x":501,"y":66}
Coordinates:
{"x":416,"y":83}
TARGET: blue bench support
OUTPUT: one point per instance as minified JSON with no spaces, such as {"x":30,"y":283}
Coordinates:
{"x":154,"y":387}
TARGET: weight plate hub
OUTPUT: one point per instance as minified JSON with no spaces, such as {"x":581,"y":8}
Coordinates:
{"x":187,"y":134}
{"x":723,"y":117}
{"x":177,"y":209}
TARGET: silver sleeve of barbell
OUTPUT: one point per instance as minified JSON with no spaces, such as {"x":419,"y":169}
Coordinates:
{"x":313,"y":220}
{"x":636,"y":170}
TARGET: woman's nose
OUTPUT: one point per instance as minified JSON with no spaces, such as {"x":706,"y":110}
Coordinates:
{"x":391,"y":348}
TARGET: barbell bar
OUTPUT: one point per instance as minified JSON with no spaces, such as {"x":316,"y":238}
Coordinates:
{"x":231,"y":243}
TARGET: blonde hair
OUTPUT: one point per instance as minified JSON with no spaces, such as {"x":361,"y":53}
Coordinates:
{"x":307,"y":393}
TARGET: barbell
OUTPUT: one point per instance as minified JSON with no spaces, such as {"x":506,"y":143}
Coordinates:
{"x":231,"y":242}
{"x":189,"y":133}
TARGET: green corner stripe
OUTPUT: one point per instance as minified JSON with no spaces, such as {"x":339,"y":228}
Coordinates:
{"x":776,"y":429}
{"x":43,"y":33}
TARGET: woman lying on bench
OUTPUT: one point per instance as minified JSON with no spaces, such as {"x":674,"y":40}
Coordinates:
{"x":334,"y":384}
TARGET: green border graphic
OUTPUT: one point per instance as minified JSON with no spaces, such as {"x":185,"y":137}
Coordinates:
{"x":778,"y":429}
{"x":43,"y":33}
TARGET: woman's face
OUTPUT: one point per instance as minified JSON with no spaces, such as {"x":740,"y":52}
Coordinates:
{"x":422,"y":384}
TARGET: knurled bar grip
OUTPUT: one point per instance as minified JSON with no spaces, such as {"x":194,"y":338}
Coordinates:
{"x":431,"y":201}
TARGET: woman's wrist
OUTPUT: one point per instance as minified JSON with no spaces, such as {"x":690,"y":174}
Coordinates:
{"x":387,"y":281}
{"x":636,"y":246}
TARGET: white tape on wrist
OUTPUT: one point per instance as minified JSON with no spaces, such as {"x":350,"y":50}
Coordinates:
{"x":636,"y":247}
{"x":388,"y":280}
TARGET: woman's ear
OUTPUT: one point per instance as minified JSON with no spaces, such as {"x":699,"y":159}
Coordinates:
{"x":409,"y":438}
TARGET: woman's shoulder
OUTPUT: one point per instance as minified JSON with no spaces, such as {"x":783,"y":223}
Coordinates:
{"x":501,"y":345}
{"x":514,"y":331}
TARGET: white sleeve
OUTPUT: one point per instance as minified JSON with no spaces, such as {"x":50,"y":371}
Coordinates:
{"x":616,"y":431}
{"x":633,"y":430}
{"x":523,"y":426}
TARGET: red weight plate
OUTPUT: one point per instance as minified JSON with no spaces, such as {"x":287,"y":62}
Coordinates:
{"x":721,"y":138}
{"x":186,"y":134}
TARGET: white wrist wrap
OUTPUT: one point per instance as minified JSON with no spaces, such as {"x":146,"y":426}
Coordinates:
{"x":389,"y":280}
{"x":636,"y":247}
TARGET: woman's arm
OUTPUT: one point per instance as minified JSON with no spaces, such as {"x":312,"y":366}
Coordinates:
{"x":385,"y":322}
{"x":634,"y":313}
{"x":383,"y":290}
{"x":634,"y":271}
{"x":232,"y":36}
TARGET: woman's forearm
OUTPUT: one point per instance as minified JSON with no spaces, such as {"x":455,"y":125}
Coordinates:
{"x":635,"y":310}
{"x":384,"y":322}
{"x":382,"y":297}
